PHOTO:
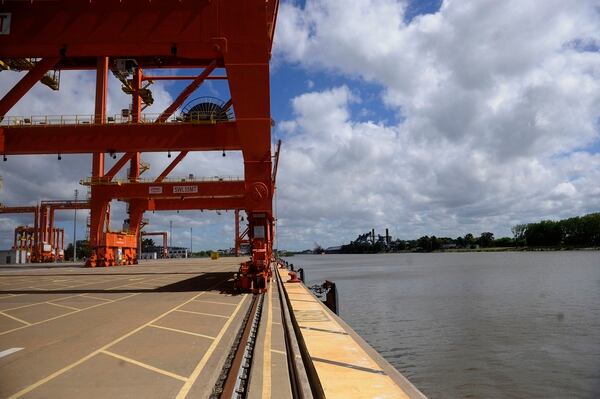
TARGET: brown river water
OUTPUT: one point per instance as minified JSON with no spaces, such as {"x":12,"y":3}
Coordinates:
{"x":476,"y":325}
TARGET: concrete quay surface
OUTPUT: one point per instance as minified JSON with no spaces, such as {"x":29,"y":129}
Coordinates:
{"x":163,"y":329}
{"x":159,"y":329}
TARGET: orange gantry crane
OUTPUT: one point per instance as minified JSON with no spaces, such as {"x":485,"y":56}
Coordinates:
{"x":47,"y":211}
{"x":26,"y":238}
{"x":40,"y":242}
{"x":229,"y":40}
{"x":165,"y":241}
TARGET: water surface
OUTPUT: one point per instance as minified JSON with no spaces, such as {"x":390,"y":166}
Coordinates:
{"x":476,"y":325}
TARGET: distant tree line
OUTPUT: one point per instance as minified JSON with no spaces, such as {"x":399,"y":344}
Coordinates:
{"x":427,"y":244}
{"x":580,"y":231}
{"x":583,"y":231}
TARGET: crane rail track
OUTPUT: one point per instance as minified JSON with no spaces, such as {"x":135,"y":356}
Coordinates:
{"x":233,"y":381}
{"x":235,"y":375}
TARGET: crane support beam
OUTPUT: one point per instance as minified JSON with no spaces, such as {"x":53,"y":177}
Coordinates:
{"x":175,"y":190}
{"x":120,"y":138}
{"x":138,"y":28}
{"x":25,"y":84}
{"x":119,"y":165}
{"x":171,"y":166}
{"x":276,"y":162}
{"x":18,"y":209}
{"x":194,"y":204}
{"x":186,"y":92}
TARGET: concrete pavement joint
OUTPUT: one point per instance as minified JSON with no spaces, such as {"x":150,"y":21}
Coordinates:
{"x":203,"y":314}
{"x":64,"y":315}
{"x":63,"y":306}
{"x":200,"y":366}
{"x":17,"y":319}
{"x":144,"y":365}
{"x":103,"y":348}
{"x":181,"y":331}
{"x":217,"y":303}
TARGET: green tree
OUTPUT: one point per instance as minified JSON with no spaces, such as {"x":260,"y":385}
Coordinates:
{"x":83,"y":250}
{"x":469,"y":240}
{"x":486,"y":239}
{"x":424,"y":243}
{"x":546,"y":233}
{"x":435,"y":243}
{"x":504,"y":242}
{"x":519,"y":234}
{"x":147,"y":244}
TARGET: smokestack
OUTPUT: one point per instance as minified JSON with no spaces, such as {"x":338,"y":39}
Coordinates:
{"x":387,"y":236}
{"x":373,"y":236}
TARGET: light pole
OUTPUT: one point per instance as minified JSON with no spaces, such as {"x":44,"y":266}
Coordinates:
{"x":170,"y":235}
{"x":191,"y":242}
{"x":75,"y":230}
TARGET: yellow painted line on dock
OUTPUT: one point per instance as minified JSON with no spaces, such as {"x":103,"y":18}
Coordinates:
{"x":105,"y":347}
{"x":203,"y":314}
{"x":95,"y":297}
{"x":216,"y":303}
{"x":16,"y":319}
{"x":66,"y":314}
{"x":266,"y":391}
{"x":144,"y":365}
{"x":62,"y":306}
{"x":38,"y":303}
{"x":185,"y":390}
{"x":181,"y":331}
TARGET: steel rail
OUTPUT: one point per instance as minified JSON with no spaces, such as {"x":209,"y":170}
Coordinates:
{"x":235,"y":374}
{"x":303,"y":376}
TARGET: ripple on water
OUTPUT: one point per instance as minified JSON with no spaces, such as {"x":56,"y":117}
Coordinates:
{"x":509,"y":325}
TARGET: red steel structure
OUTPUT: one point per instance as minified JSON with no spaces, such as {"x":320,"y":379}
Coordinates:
{"x":165,"y":241}
{"x":48,"y":209}
{"x":43,"y":242}
{"x":26,"y":240}
{"x":241,"y":238}
{"x":234,"y":37}
{"x":29,"y":250}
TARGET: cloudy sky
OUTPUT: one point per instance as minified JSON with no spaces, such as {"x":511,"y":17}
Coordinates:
{"x":424,"y":116}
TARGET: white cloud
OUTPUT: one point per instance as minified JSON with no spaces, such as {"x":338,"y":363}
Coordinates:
{"x":497,"y":104}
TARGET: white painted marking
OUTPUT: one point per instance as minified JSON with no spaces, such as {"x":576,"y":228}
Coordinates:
{"x":9,"y":351}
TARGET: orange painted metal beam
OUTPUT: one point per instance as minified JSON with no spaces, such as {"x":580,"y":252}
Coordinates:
{"x":67,"y":204}
{"x":119,"y":165}
{"x":25,"y":84}
{"x":18,"y":209}
{"x":178,"y":190}
{"x":196,"y":204}
{"x":55,"y":139}
{"x":186,"y":92}
{"x":171,"y":166}
{"x":138,"y":28}
{"x":276,"y":162}
{"x":181,"y":77}
{"x":100,"y":110}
